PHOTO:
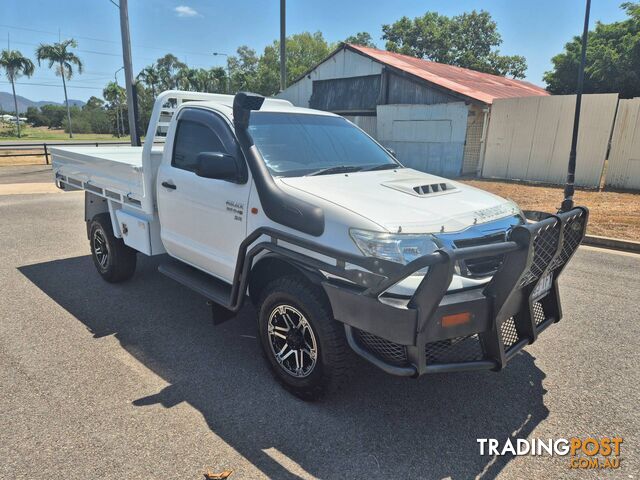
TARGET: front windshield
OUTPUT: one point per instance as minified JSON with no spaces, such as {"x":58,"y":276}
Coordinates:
{"x":302,"y":144}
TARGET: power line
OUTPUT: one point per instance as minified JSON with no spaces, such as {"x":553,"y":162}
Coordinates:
{"x":94,"y":52}
{"x":109,"y":54}
{"x":207,"y":54}
{"x":82,"y":82}
{"x":51,"y":85}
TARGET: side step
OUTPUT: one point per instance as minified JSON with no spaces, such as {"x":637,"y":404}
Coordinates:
{"x":216,"y":291}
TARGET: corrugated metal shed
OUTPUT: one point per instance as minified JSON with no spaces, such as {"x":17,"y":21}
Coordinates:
{"x":346,"y":94}
{"x":429,"y":138}
{"x":478,"y":86}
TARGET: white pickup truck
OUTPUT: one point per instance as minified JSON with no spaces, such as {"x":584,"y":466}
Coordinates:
{"x":336,"y":243}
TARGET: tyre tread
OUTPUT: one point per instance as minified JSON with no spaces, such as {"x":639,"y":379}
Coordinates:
{"x":336,"y":376}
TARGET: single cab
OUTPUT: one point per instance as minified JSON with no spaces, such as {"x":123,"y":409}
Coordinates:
{"x":340,"y":248}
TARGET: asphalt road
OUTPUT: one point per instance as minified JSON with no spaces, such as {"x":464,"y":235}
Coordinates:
{"x":133,"y":380}
{"x":10,"y":174}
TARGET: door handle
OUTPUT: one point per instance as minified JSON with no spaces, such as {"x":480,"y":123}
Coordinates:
{"x":169,"y":185}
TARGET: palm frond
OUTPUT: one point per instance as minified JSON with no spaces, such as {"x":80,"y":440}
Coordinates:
{"x":15,"y":64}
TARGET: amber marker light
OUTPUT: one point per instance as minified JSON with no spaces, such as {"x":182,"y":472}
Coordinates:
{"x":456,"y":319}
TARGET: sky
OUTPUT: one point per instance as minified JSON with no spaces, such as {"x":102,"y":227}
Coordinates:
{"x":192,"y":29}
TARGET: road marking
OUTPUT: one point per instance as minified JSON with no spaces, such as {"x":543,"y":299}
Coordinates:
{"x":288,"y":464}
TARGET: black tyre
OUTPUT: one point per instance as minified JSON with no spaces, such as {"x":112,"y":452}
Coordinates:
{"x":303,"y":344}
{"x":115,"y":261}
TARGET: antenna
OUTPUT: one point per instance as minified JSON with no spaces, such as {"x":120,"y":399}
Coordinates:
{"x":569,"y":188}
{"x":283,"y":44}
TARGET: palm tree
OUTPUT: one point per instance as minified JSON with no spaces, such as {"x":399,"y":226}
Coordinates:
{"x":60,"y":55}
{"x":15,"y":65}
{"x":185,"y":78}
{"x":151,"y":77}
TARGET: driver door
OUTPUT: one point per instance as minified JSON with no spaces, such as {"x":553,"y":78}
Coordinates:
{"x":203,"y":220}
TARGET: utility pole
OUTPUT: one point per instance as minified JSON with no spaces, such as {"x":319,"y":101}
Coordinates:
{"x":283,"y":41}
{"x":132,"y":98}
{"x":569,"y":190}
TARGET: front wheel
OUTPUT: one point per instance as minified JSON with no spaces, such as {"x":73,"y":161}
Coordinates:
{"x":115,"y":261}
{"x":304,"y":346}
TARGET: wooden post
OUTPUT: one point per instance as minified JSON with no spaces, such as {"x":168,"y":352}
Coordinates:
{"x":46,"y":154}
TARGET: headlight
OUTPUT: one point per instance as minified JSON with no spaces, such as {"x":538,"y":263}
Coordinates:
{"x":401,"y":248}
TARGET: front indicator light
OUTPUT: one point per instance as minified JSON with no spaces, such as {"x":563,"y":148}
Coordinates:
{"x":456,"y":319}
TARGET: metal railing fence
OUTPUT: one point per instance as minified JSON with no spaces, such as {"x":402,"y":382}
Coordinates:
{"x":35,"y":148}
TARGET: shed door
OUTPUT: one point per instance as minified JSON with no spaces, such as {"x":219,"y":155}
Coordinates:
{"x":429,"y":138}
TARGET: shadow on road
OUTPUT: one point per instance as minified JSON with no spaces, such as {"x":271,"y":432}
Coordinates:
{"x":380,"y":427}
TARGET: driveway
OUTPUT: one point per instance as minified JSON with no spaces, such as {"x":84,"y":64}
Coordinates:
{"x":134,"y":381}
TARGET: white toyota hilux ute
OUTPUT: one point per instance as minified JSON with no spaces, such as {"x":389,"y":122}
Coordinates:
{"x":339,"y":246}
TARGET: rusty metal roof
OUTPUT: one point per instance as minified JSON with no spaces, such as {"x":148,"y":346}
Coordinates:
{"x":483,"y":87}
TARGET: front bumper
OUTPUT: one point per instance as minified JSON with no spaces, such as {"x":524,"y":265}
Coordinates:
{"x":408,"y":337}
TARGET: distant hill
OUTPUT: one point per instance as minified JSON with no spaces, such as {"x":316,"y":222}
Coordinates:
{"x":6,"y":102}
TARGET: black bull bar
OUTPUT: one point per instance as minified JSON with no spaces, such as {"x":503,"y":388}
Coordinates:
{"x":409,"y":337}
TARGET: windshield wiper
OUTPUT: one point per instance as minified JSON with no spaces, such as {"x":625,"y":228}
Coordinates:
{"x":336,"y":169}
{"x":382,"y":166}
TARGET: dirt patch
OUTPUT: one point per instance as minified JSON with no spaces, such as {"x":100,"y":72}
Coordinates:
{"x":8,"y":157}
{"x":611,"y":214}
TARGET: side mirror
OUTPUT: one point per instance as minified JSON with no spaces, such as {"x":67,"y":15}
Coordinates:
{"x":220,"y":166}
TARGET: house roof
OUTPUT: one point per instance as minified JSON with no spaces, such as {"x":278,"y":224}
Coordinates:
{"x":479,"y":86}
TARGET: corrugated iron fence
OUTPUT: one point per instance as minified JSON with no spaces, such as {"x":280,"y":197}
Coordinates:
{"x":623,"y":170}
{"x":529,"y":139}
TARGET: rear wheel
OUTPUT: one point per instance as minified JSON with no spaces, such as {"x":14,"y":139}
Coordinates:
{"x":304,"y":346}
{"x":115,"y":261}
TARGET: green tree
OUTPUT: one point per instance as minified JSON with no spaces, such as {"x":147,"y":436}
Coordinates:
{"x":36,"y":118}
{"x":468,"y":40}
{"x":54,"y":115}
{"x":262,"y":75}
{"x":613,"y":59}
{"x":117,"y":97}
{"x":361,"y":38}
{"x":150,"y":76}
{"x":93,"y":103}
{"x":218,"y":78}
{"x":168,"y":68}
{"x":15,"y":65}
{"x":243,"y":67}
{"x":60,"y":55}
{"x":146,"y":99}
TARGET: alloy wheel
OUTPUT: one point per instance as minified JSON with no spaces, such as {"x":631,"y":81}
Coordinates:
{"x":292,"y":341}
{"x":101,"y":248}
